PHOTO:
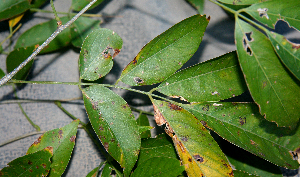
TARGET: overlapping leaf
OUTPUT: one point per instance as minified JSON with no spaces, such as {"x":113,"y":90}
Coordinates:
{"x":198,"y":151}
{"x":36,"y":164}
{"x":108,"y":170}
{"x":95,"y":59}
{"x":287,"y":51}
{"x":241,"y":2}
{"x":271,"y":86}
{"x":114,"y":123}
{"x":11,"y":8}
{"x":143,"y":121}
{"x":213,"y":80}
{"x":78,"y":5}
{"x":166,"y":53}
{"x":44,"y":31}
{"x":241,"y":124}
{"x":62,"y":140}
{"x":270,"y":12}
{"x":37,"y":3}
{"x":198,"y":4}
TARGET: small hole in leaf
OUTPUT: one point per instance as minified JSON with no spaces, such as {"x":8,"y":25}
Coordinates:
{"x":138,"y":80}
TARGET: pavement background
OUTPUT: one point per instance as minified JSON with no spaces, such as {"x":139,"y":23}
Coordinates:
{"x":137,"y":22}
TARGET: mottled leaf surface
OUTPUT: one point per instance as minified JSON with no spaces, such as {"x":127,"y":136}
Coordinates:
{"x":166,"y":53}
{"x":159,"y":166}
{"x":81,"y":28}
{"x":15,"y":58}
{"x":242,"y":125}
{"x":143,"y":121}
{"x":114,"y":123}
{"x":62,"y":140}
{"x":36,"y":164}
{"x":198,"y":4}
{"x":198,"y":151}
{"x":271,"y":85}
{"x":95,"y":59}
{"x":270,"y":12}
{"x":287,"y":51}
{"x":78,"y":5}
{"x":44,"y":31}
{"x":10,"y":8}
{"x":241,"y":2}
{"x":213,"y":80}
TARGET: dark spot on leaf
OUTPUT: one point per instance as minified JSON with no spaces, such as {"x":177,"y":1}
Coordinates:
{"x":190,"y":159}
{"x":85,"y":51}
{"x":297,"y":150}
{"x":242,"y":120}
{"x":36,"y":142}
{"x":72,"y":139}
{"x":205,"y":108}
{"x":294,"y":155}
{"x":208,"y":18}
{"x":44,"y":165}
{"x":112,"y":102}
{"x":184,"y":138}
{"x":106,"y":146}
{"x":37,"y":167}
{"x":101,"y":128}
{"x":246,"y":39}
{"x":30,"y":170}
{"x":125,"y":106}
{"x":134,"y":61}
{"x":263,"y":12}
{"x":60,"y":132}
{"x":138,"y":80}
{"x":252,"y":142}
{"x":288,"y":164}
{"x":159,"y":118}
{"x":29,"y":162}
{"x":198,"y":158}
{"x":264,"y":84}
{"x":174,"y":107}
{"x":116,"y":52}
{"x":112,"y":140}
{"x":203,"y":123}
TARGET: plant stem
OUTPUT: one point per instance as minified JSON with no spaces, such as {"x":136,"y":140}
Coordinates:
{"x":141,"y":111}
{"x":58,"y":104}
{"x":55,"y":13}
{"x":10,"y":35}
{"x":21,"y":137}
{"x":64,"y":13}
{"x":7,"y":77}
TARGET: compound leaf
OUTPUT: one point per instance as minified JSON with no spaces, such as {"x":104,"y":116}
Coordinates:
{"x":271,"y":85}
{"x":166,"y":53}
{"x":198,"y":151}
{"x":95,"y":59}
{"x":114,"y":123}
{"x":11,"y":8}
{"x":213,"y":80}
{"x":62,"y":140}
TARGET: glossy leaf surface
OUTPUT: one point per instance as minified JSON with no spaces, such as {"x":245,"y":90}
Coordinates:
{"x":95,"y":59}
{"x":270,"y":12}
{"x":198,"y":4}
{"x":114,"y":123}
{"x":15,"y":58}
{"x":158,"y":166}
{"x":81,"y":28}
{"x":62,"y":140}
{"x":11,"y":8}
{"x":242,"y":125}
{"x":78,"y":5}
{"x":287,"y":51}
{"x":36,"y":164}
{"x":241,"y":2}
{"x":198,"y":151}
{"x":271,"y":85}
{"x":213,"y":80}
{"x":143,"y":120}
{"x":166,"y":53}
{"x":29,"y":37}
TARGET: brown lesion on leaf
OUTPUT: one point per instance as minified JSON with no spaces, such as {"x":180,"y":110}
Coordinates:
{"x":252,"y":142}
{"x":116,"y":52}
{"x":38,"y":141}
{"x":184,"y":138}
{"x":198,"y":158}
{"x":242,"y":120}
{"x":159,"y":118}
{"x":138,"y":80}
{"x":29,"y":162}
{"x":112,"y":140}
{"x":44,"y":165}
{"x":246,"y":39}
{"x":262,"y":12}
{"x":205,"y":108}
{"x":190,"y":159}
{"x":60,"y":133}
{"x":174,"y":107}
{"x":169,"y":130}
{"x":179,"y":143}
{"x":106,"y":146}
{"x":72,"y":139}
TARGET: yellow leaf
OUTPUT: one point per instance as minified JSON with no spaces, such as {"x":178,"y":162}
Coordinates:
{"x":12,"y":22}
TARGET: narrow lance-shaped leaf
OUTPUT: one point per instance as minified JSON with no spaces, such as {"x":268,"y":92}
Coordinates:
{"x":241,"y":2}
{"x":198,"y":151}
{"x":30,"y":37}
{"x":288,"y":52}
{"x":213,"y":80}
{"x":78,"y":5}
{"x":36,"y":164}
{"x":12,"y":8}
{"x":62,"y":140}
{"x":114,"y":123}
{"x":166,"y":53}
{"x":95,"y":59}
{"x":242,"y":125}
{"x":270,"y":12}
{"x":271,"y":85}
{"x":198,"y":4}
{"x":2,"y":74}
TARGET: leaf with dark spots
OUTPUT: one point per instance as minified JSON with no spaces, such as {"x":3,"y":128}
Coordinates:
{"x":243,"y":126}
{"x":166,"y":53}
{"x":97,"y":62}
{"x":240,"y":2}
{"x":191,"y":138}
{"x":174,"y":107}
{"x":116,"y":127}
{"x":62,"y":141}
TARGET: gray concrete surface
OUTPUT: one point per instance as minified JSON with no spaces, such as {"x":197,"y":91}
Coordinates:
{"x":137,"y":22}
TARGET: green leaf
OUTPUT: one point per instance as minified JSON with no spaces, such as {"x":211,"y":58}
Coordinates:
{"x":94,"y":172}
{"x":30,"y":37}
{"x":198,"y":4}
{"x":287,"y":51}
{"x":241,"y":2}
{"x":270,"y":12}
{"x":81,"y":28}
{"x":2,"y":74}
{"x":62,"y":140}
{"x":11,"y":8}
{"x":37,"y":3}
{"x":213,"y":80}
{"x":15,"y":58}
{"x":161,"y":146}
{"x":238,"y":173}
{"x":198,"y":151}
{"x":143,"y":121}
{"x":271,"y":85}
{"x":158,"y":166}
{"x":242,"y":125}
{"x":95,"y":59}
{"x":78,"y":5}
{"x":166,"y":53}
{"x":114,"y":123}
{"x":36,"y":164}
{"x":108,"y":169}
